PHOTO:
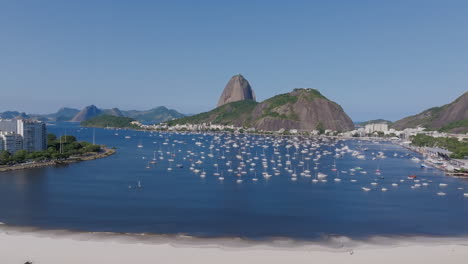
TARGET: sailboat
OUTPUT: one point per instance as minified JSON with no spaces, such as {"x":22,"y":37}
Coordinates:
{"x":221,"y":178}
{"x":377,"y":171}
{"x":334,"y":165}
{"x":315,"y":180}
{"x":337,"y":179}
{"x":153,"y":161}
{"x":255,"y":177}
{"x":170,"y":165}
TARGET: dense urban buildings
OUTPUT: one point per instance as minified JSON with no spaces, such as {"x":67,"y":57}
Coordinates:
{"x":22,"y":134}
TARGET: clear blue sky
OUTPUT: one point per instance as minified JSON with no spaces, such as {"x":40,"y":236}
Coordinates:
{"x":378,"y":59}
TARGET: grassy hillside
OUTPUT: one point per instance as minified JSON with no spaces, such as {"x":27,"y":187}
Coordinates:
{"x":376,"y":121}
{"x":449,"y":117}
{"x":155,"y":115}
{"x":109,"y":121}
{"x":301,"y":109}
{"x":232,"y":113}
{"x":458,"y":127}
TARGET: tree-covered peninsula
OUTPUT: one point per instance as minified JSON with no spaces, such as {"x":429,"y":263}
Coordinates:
{"x":57,"y":149}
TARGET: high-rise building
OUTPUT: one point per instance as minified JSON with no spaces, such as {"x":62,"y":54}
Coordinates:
{"x":33,"y":135}
{"x":9,"y":125}
{"x":10,"y":141}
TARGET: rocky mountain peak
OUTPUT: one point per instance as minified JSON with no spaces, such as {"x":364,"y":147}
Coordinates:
{"x":237,"y":89}
{"x":87,"y":113}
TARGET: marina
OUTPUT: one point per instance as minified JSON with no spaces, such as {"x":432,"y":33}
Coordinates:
{"x":237,"y":185}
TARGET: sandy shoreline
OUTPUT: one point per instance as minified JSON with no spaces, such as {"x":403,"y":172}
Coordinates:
{"x":19,"y":245}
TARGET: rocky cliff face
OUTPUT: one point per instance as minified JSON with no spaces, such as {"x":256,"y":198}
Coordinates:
{"x":302,"y":109}
{"x":237,"y":89}
{"x":438,"y":117}
{"x":87,"y":113}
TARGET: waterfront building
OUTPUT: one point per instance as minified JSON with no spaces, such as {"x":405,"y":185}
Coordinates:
{"x":23,"y":134}
{"x":34,"y":135}
{"x":8,"y":125}
{"x":376,"y":127}
{"x":10,"y":141}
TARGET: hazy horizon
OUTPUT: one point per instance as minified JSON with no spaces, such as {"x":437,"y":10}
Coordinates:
{"x":376,"y":59}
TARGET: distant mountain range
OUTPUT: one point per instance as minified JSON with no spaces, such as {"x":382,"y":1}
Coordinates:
{"x":155,"y":115}
{"x":302,"y":109}
{"x":63,"y":114}
{"x":13,"y":114}
{"x":452,"y":117}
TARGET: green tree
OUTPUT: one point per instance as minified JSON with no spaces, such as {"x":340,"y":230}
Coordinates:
{"x":320,"y":128}
{"x":20,"y":156}
{"x":5,"y":157}
{"x":91,"y":148}
{"x":67,"y":139}
{"x":51,"y":137}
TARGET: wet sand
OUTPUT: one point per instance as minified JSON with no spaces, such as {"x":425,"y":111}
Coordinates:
{"x":19,"y":245}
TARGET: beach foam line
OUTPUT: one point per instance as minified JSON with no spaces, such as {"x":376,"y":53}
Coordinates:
{"x":79,"y":247}
{"x":328,"y":243}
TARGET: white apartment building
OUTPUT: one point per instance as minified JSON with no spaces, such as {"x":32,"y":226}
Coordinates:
{"x":376,"y":127}
{"x":9,"y":125}
{"x":33,"y":135}
{"x":10,"y":141}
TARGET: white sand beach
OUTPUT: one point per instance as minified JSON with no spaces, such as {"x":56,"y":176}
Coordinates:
{"x":48,"y":248}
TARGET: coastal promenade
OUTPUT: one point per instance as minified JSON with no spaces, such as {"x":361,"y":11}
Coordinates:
{"x":443,"y":168}
{"x":105,"y":152}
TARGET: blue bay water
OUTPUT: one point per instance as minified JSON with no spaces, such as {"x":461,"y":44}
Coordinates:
{"x":95,"y":195}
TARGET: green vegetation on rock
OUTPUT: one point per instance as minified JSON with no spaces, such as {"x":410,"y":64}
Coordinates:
{"x":376,"y":121}
{"x":461,"y":126}
{"x":300,"y":109}
{"x":109,"y":121}
{"x":448,"y":118}
{"x":278,"y":101}
{"x":155,"y":115}
{"x":309,"y":93}
{"x":228,"y":114}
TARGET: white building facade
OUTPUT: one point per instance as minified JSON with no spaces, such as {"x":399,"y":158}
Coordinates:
{"x":10,"y":141}
{"x":34,"y":135}
{"x":376,"y":127}
{"x":23,"y":134}
{"x":9,"y":125}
